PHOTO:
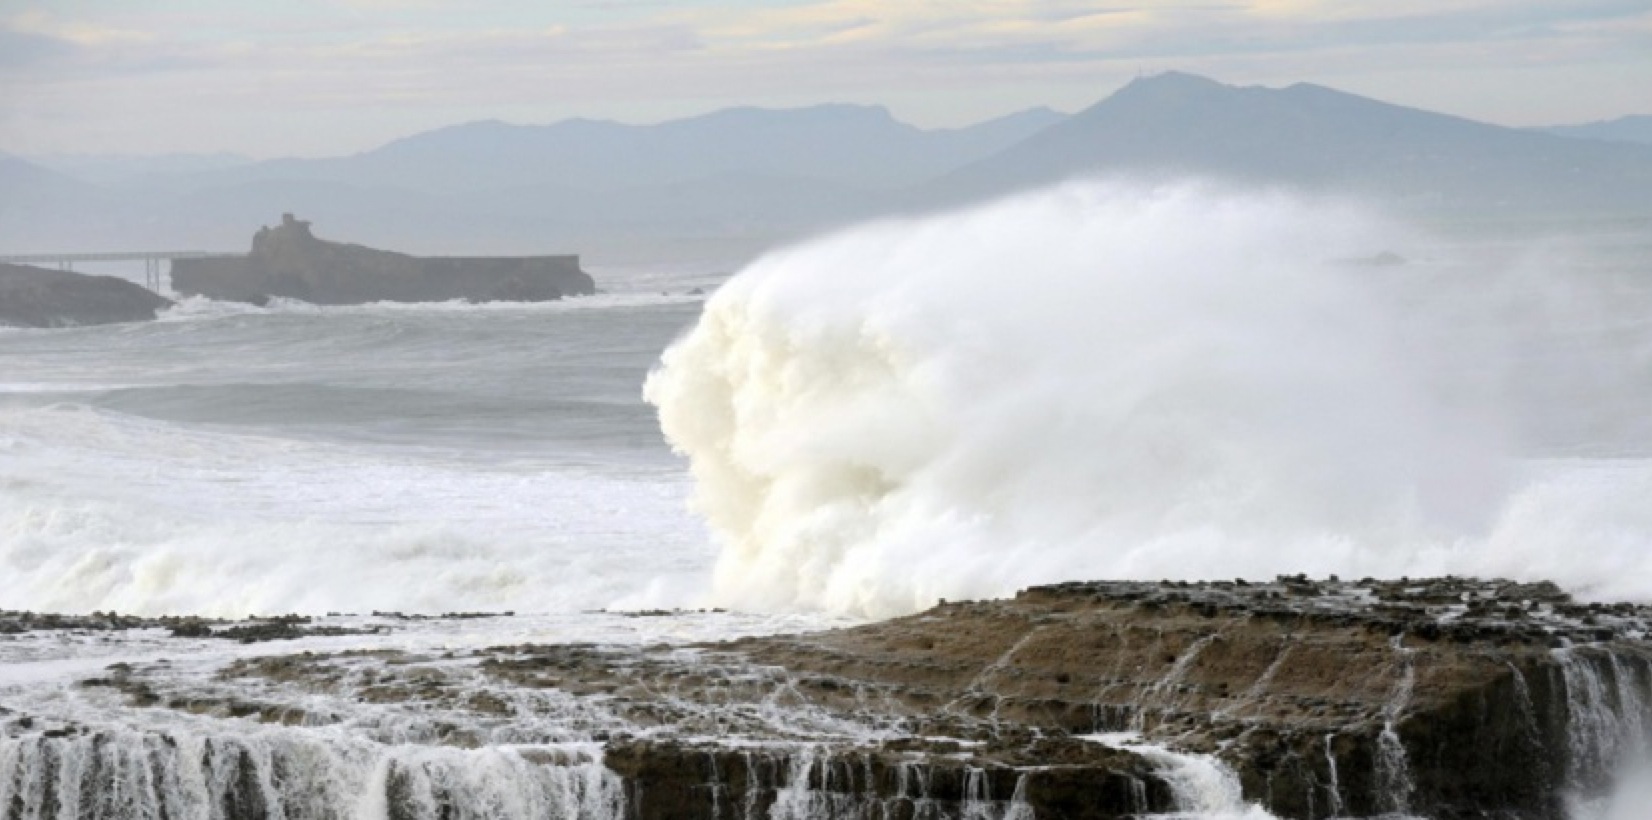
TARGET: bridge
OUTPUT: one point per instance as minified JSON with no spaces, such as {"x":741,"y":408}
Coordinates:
{"x":151,"y":260}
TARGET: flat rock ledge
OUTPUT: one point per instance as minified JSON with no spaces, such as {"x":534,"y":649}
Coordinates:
{"x":1441,"y":698}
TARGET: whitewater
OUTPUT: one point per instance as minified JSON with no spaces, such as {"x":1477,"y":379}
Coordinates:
{"x":1177,"y":383}
{"x":228,"y":460}
{"x":1094,"y":381}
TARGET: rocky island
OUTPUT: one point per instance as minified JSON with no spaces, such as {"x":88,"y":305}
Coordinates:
{"x":288,"y":261}
{"x":1441,"y":698}
{"x":40,"y":297}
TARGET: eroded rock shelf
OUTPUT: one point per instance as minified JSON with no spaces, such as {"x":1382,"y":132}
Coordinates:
{"x":1440,"y":698}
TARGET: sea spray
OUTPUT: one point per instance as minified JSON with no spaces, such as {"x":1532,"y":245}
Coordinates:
{"x":1101,"y":381}
{"x":1086,"y":382}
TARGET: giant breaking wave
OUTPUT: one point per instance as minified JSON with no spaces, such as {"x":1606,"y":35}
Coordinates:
{"x":1103,"y":381}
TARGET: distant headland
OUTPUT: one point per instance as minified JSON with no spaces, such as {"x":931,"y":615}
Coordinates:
{"x":288,"y":261}
{"x":41,"y":297}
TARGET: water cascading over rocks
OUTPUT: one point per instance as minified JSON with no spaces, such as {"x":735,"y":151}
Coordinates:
{"x":1443,"y":698}
{"x":72,"y":772}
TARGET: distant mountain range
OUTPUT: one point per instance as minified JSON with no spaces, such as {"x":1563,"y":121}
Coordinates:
{"x":859,"y":146}
{"x":1622,"y":129}
{"x":1316,"y":138}
{"x":105,"y":169}
{"x":731,"y":181}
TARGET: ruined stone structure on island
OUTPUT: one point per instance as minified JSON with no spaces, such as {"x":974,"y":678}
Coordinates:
{"x":288,"y":261}
{"x":1445,"y":698}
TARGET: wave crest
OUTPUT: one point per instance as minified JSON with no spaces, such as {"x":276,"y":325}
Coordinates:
{"x":1091,"y":381}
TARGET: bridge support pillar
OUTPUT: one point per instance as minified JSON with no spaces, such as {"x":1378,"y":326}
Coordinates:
{"x":152,"y":274}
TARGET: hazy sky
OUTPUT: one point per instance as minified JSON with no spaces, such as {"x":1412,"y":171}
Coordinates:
{"x":315,"y":77}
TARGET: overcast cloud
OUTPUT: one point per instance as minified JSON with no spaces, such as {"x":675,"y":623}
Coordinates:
{"x":318,"y":77}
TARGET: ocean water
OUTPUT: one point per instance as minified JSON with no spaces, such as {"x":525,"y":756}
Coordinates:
{"x":229,"y":460}
{"x":1092,"y":381}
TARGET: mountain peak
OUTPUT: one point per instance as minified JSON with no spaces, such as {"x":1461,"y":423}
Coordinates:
{"x":1170,"y":89}
{"x":1171,"y":81}
{"x":807,"y":116}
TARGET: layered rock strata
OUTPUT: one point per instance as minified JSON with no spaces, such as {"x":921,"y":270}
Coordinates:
{"x":38,"y":297}
{"x":288,"y":261}
{"x":1442,"y":698}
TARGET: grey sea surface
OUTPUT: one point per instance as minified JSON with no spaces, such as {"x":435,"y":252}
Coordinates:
{"x":230,"y":459}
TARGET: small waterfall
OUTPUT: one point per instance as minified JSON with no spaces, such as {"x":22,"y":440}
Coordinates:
{"x":716,"y":787}
{"x":1590,"y":730}
{"x":810,"y":790}
{"x":295,"y":775}
{"x":1533,"y":730}
{"x":1393,"y":770}
{"x":1528,"y":707}
{"x":1633,"y":703}
{"x":1166,"y":685}
{"x":1333,"y":787}
{"x":924,"y":804}
{"x":1200,"y":785}
{"x":795,"y":799}
{"x":977,"y":796}
{"x":1138,"y":796}
{"x":976,"y":688}
{"x":1019,"y":809}
{"x":499,"y":782}
{"x":748,"y":808}
{"x":1260,"y":686}
{"x":1606,"y":702}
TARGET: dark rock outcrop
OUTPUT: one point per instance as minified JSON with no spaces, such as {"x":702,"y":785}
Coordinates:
{"x":38,"y":297}
{"x":682,"y":781}
{"x":1441,"y":698}
{"x":1446,"y":698}
{"x":288,"y":261}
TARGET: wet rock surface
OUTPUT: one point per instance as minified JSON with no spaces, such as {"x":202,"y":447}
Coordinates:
{"x":38,"y":297}
{"x":1440,"y":698}
{"x":252,"y":630}
{"x":20,"y":622}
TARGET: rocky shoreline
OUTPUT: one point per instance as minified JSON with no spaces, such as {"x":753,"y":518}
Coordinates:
{"x":40,"y":298}
{"x":1440,"y":698}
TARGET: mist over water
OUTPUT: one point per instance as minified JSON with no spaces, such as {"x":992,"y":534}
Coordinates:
{"x":1100,"y":381}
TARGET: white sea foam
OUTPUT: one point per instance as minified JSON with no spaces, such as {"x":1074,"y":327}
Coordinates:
{"x":1097,"y":381}
{"x":192,"y":308}
{"x":102,"y":511}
